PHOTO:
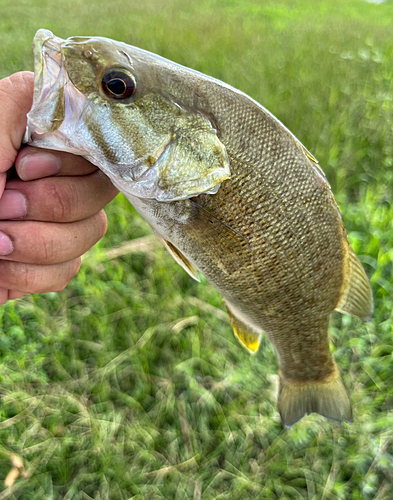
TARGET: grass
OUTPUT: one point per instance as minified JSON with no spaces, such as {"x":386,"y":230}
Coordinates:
{"x":130,"y":384}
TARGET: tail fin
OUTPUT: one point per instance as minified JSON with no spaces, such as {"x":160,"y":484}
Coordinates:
{"x":328,"y":398}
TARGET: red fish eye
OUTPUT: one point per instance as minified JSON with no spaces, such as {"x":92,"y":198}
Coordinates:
{"x":118,"y":84}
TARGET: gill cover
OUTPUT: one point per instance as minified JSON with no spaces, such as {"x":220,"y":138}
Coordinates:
{"x":147,"y":143}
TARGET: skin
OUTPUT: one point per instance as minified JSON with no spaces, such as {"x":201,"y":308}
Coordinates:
{"x":57,"y":215}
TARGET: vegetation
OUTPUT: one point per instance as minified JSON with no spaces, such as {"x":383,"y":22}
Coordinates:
{"x":130,"y":383}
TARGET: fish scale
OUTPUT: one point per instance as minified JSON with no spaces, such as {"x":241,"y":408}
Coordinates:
{"x":226,"y":187}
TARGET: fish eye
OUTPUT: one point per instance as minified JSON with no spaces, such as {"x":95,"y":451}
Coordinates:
{"x":118,"y":84}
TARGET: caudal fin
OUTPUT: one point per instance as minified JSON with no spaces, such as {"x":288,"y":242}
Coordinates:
{"x":328,"y":398}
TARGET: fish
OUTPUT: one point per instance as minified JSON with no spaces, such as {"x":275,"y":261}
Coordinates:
{"x":227,"y":188}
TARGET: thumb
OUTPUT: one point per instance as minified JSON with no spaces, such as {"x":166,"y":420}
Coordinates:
{"x":16,"y":99}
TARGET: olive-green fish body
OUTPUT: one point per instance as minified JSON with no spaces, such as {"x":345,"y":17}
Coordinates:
{"x":228,"y":189}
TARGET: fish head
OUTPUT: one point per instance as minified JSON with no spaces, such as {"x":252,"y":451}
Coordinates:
{"x":129,"y":113}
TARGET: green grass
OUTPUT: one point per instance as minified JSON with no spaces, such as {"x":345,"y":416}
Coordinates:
{"x":106,"y":392}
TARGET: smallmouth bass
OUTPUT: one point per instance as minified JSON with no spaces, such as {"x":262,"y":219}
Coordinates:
{"x":225,"y":186}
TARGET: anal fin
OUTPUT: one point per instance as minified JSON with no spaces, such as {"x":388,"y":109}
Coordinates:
{"x":326,"y":397}
{"x":356,"y":296}
{"x":249,"y":339}
{"x":180,"y":258}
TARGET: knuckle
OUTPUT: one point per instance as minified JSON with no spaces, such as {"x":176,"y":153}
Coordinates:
{"x":8,"y":85}
{"x":74,"y":267}
{"x":4,"y":295}
{"x":71,"y":270}
{"x":24,"y":276}
{"x":68,"y":271}
{"x":27,"y":277}
{"x":59,"y":287}
{"x":60,"y":198}
{"x":7,"y":152}
{"x":102,"y":223}
{"x":27,"y":78}
{"x":95,"y":228}
{"x":20,"y":79}
{"x":11,"y":86}
{"x":78,"y":263}
{"x":45,"y":247}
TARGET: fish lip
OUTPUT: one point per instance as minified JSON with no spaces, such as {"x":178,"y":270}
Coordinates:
{"x":50,"y":79}
{"x":47,"y":59}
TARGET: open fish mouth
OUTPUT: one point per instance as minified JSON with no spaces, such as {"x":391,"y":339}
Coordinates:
{"x":47,"y":62}
{"x":50,"y":79}
{"x":54,"y":103}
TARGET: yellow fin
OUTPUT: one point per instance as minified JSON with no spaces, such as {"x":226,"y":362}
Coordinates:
{"x":313,"y":160}
{"x":326,"y":397}
{"x":310,"y":156}
{"x":180,"y":258}
{"x":246,"y":337}
{"x":356,"y":296}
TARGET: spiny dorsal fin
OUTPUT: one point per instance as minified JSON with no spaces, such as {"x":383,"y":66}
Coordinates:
{"x":326,"y":397}
{"x":180,"y":258}
{"x":356,"y":296}
{"x":313,"y":160}
{"x":246,"y":337}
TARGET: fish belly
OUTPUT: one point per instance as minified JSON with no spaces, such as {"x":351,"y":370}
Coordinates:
{"x":276,"y":257}
{"x":277,"y":263}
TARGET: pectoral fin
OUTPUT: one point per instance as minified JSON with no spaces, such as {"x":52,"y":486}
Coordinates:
{"x":194,"y":162}
{"x":180,"y":258}
{"x":249,"y":339}
{"x":356,"y":296}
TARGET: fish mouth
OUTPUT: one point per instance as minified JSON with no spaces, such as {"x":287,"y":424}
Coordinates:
{"x":50,"y":79}
{"x":55,"y":102}
{"x":48,"y":64}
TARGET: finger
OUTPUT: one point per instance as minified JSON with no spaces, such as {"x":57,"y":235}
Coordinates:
{"x":6,"y":295}
{"x":49,"y":243}
{"x":13,"y":294}
{"x":3,"y":295}
{"x":30,"y":278}
{"x":34,"y":163}
{"x":57,"y":199}
{"x":16,"y":98}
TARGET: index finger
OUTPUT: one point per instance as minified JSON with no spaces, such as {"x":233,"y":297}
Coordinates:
{"x":16,"y":98}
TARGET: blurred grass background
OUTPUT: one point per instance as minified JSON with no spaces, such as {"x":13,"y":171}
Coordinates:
{"x":130,"y":384}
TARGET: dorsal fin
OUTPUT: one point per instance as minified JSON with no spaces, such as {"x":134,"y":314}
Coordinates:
{"x":356,"y":296}
{"x":313,"y":160}
{"x":249,"y":339}
{"x":180,"y":258}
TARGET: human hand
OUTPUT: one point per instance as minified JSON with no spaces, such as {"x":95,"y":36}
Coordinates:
{"x":53,"y":213}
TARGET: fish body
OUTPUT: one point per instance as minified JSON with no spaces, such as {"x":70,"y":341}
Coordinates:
{"x":226,"y":187}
